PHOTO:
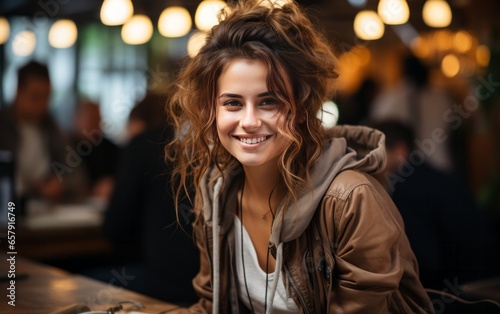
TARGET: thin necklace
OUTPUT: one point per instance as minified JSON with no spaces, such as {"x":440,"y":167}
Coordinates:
{"x":242,"y":255}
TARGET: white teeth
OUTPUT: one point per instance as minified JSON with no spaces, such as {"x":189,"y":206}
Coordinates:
{"x":252,"y":140}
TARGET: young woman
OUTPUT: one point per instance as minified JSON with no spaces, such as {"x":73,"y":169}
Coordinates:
{"x":289,"y":219}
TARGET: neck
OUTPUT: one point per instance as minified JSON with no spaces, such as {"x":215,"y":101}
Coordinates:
{"x":260,"y":182}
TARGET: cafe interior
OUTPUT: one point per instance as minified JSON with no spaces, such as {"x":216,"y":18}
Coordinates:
{"x":102,"y":232}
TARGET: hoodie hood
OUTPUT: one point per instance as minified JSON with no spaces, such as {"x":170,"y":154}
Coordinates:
{"x":348,"y":147}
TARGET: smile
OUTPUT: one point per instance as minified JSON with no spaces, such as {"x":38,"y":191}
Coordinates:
{"x":254,"y":140}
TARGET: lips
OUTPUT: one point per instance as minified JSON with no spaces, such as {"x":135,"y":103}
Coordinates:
{"x":252,"y":140}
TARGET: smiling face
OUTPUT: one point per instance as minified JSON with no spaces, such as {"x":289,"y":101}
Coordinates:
{"x":248,"y":115}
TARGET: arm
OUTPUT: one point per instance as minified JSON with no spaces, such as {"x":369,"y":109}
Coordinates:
{"x":368,"y":266}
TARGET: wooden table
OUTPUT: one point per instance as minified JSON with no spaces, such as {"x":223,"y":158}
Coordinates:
{"x":46,"y":289}
{"x":55,"y":243}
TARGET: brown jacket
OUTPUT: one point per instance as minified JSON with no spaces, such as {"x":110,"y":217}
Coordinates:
{"x":352,"y":255}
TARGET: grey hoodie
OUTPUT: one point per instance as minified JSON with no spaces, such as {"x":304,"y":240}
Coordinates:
{"x":348,"y":147}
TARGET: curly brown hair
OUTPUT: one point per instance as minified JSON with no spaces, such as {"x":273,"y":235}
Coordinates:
{"x":301,"y":72}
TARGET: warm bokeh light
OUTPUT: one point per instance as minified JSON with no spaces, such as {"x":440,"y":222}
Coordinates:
{"x":174,"y":22}
{"x":206,"y":14}
{"x":138,"y":30}
{"x":24,"y":43}
{"x":450,"y":65}
{"x":483,"y":56}
{"x":443,"y":40}
{"x":116,"y":12}
{"x":195,"y":42}
{"x":275,"y":3}
{"x":63,"y":34}
{"x":328,"y":114}
{"x":420,"y":47}
{"x":462,"y":41}
{"x":393,"y":12}
{"x":437,"y":13}
{"x":368,"y":26}
{"x":4,"y":30}
{"x":364,"y":55}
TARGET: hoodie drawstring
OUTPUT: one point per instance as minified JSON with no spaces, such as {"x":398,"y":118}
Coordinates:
{"x":277,"y":272}
{"x":216,"y":253}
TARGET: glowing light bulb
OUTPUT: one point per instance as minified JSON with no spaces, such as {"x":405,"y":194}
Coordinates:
{"x":206,"y":14}
{"x":63,"y":34}
{"x":4,"y":30}
{"x":138,"y":30}
{"x":116,"y":12}
{"x":393,"y":12}
{"x":368,"y":26}
{"x":437,"y":13}
{"x":174,"y":22}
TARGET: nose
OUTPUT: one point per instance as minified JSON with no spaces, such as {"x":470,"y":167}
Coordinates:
{"x":250,"y":118}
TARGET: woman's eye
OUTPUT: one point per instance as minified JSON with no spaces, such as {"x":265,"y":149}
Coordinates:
{"x":232,"y":103}
{"x":269,"y":102}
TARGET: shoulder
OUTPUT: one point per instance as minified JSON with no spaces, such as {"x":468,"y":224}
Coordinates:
{"x":347,"y":181}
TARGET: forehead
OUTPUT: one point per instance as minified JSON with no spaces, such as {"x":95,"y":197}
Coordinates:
{"x":243,"y":74}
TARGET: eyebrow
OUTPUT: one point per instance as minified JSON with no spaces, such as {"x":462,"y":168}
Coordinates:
{"x":229,"y":95}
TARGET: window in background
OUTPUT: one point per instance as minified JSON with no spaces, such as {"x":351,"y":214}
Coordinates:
{"x":111,"y":73}
{"x":61,"y":64}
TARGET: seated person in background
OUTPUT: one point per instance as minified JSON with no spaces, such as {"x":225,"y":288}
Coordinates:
{"x":36,"y":142}
{"x":99,"y":155}
{"x":149,"y":113}
{"x":141,"y":223}
{"x":452,"y":240}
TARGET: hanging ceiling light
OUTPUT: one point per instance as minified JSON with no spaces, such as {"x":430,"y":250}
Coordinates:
{"x":63,"y":34}
{"x":437,"y":13}
{"x":24,"y":43}
{"x":195,"y":42}
{"x":138,"y":30}
{"x":4,"y":30}
{"x":206,"y":14}
{"x":116,"y":12}
{"x":393,"y":12}
{"x":174,"y":22}
{"x":368,"y":25}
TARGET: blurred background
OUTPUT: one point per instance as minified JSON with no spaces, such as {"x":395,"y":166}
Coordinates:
{"x":425,"y":69}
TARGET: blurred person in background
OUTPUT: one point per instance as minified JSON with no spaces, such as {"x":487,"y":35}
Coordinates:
{"x":99,"y":155}
{"x":36,"y":142}
{"x":141,"y":221}
{"x":417,"y":104}
{"x":149,"y":113}
{"x":451,"y":238}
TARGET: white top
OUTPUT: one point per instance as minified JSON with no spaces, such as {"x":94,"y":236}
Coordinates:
{"x":256,"y":278}
{"x":33,"y":159}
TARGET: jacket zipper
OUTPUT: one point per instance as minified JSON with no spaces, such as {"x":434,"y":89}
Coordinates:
{"x":301,"y":299}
